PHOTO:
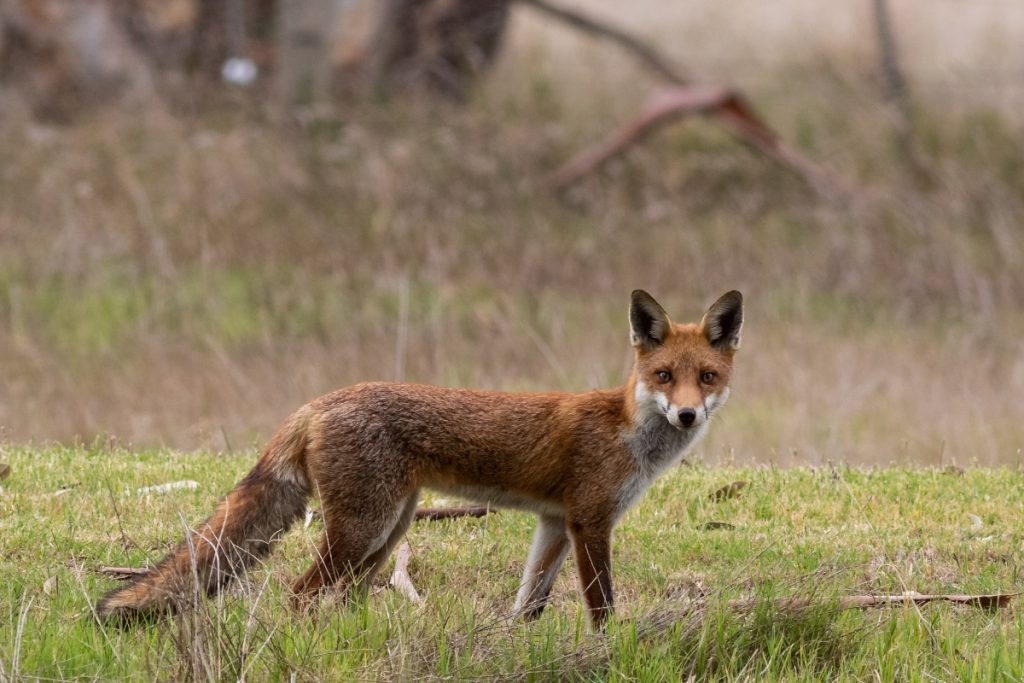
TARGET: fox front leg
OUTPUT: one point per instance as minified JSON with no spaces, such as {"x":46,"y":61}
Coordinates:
{"x":547,"y":553}
{"x":593,"y":550}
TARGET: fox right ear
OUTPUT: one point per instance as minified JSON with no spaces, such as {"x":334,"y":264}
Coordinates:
{"x":648,"y":322}
{"x":723,"y":323}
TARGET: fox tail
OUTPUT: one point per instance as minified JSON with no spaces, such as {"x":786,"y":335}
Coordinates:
{"x":241,"y":530}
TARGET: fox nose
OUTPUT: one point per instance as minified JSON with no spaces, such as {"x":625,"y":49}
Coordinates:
{"x":687,"y":416}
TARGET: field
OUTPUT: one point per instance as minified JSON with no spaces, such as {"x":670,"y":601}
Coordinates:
{"x":186,"y":278}
{"x":176,"y":278}
{"x":818,"y":532}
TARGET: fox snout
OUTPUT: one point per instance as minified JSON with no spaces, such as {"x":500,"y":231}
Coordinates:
{"x":692,"y":417}
{"x":687,"y":416}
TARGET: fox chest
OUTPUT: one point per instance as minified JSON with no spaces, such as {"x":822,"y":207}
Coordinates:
{"x":654,"y":450}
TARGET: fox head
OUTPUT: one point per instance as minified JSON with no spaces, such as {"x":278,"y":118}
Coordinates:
{"x":682,"y":372}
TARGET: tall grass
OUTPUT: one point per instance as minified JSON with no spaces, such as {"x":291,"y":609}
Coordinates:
{"x":189,"y":280}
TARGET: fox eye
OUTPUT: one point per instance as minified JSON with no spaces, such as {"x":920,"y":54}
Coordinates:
{"x":665,"y":376}
{"x":708,"y":377}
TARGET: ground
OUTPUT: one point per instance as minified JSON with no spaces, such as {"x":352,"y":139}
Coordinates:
{"x":823,"y":532}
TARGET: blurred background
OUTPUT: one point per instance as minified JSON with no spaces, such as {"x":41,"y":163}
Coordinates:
{"x":211,"y":212}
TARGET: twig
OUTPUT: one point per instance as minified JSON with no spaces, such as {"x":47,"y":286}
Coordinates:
{"x":723,"y":104}
{"x":988,"y":601}
{"x":645,"y":53}
{"x":431,"y":514}
{"x":122,"y":572}
{"x":422,"y":514}
{"x":400,"y":579}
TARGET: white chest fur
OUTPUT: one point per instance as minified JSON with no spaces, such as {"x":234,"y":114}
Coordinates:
{"x":655,"y":444}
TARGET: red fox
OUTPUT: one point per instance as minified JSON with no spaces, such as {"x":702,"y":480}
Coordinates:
{"x":578,"y":461}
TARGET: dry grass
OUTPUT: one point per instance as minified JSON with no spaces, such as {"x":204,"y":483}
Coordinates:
{"x":190,"y":280}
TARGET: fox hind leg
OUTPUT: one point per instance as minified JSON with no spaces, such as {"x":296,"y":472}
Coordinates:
{"x":353,"y":548}
{"x":376,"y":560}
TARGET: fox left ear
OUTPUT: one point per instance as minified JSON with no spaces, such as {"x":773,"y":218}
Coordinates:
{"x":648,"y":323}
{"x":723,"y":322}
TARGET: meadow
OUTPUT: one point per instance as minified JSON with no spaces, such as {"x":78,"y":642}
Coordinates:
{"x":176,"y":279}
{"x":820,"y":533}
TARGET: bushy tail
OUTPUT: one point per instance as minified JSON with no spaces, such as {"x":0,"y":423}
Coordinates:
{"x":241,"y":530}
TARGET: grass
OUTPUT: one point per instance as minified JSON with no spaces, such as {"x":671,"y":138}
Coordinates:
{"x":197,"y":279}
{"x":819,"y":531}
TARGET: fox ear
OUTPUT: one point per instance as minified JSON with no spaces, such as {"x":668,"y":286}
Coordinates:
{"x":723,"y":322}
{"x":648,"y":322}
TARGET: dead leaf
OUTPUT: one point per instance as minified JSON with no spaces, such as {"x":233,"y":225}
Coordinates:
{"x":728,"y":491}
{"x":5,"y":470}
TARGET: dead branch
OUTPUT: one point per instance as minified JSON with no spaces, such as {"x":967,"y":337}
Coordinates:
{"x":989,"y":601}
{"x":423,"y":514}
{"x":401,"y":562}
{"x":663,"y":619}
{"x":688,"y":620}
{"x":641,"y":50}
{"x":400,"y":578}
{"x":431,"y":514}
{"x":122,"y":573}
{"x":725,"y":105}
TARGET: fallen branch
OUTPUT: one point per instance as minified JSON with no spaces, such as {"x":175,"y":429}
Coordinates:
{"x":641,"y":50}
{"x":400,"y":579}
{"x":427,"y":514}
{"x":663,"y":619}
{"x":424,"y":514}
{"x":122,"y":573}
{"x":726,"y":105}
{"x":687,"y":621}
{"x":988,"y":601}
{"x":431,"y":514}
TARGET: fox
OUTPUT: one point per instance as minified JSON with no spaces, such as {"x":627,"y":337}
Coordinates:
{"x":578,"y":461}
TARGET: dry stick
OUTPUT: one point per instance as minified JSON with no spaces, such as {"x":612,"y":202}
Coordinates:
{"x":427,"y":514}
{"x":725,"y":105}
{"x":122,"y":572}
{"x":987,"y":601}
{"x":431,"y":514}
{"x":400,"y":579}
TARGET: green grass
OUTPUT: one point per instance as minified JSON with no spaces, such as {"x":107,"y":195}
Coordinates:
{"x":825,"y":532}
